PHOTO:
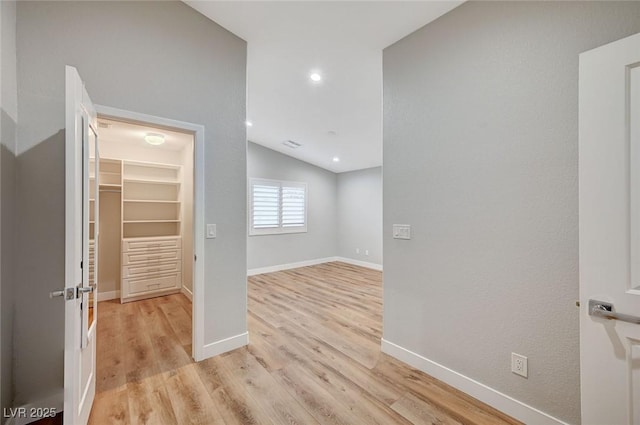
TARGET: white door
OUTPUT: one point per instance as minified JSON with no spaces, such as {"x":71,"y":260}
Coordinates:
{"x":81,"y":199}
{"x":609,"y":180}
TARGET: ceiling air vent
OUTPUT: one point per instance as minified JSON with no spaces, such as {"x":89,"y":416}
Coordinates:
{"x":102,"y":124}
{"x":291,"y":144}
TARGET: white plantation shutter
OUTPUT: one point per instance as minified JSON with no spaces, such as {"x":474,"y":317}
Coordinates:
{"x":266,"y":208}
{"x":293,"y":206}
{"x":277,"y":207}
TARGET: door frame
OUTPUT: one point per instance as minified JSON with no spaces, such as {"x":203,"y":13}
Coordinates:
{"x":197,"y":323}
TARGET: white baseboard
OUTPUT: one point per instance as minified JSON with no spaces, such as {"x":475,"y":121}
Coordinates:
{"x":55,"y":401}
{"x":187,"y":293}
{"x":366,"y":264}
{"x":496,"y":399}
{"x":280,"y":267}
{"x":289,"y":266}
{"x":224,"y":345}
{"x":109,"y":295}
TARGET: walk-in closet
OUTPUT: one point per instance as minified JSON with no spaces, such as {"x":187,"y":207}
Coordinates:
{"x":145,"y":209}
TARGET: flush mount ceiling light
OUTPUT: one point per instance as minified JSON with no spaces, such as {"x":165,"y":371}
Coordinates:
{"x":336,"y":159}
{"x":154,"y":139}
{"x":315,"y":77}
{"x":248,"y":123}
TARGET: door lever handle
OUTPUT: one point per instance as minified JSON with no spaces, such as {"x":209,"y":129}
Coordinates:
{"x":55,"y":294}
{"x":85,"y":289}
{"x":67,"y":293}
{"x":605,"y":310}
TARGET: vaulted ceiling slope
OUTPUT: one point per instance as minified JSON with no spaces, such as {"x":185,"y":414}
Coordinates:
{"x":338,"y":120}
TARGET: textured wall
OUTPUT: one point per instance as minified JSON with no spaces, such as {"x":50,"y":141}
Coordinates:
{"x":8,"y":123}
{"x":481,"y":157}
{"x":320,"y":239}
{"x":359,"y":206}
{"x":157,"y":58}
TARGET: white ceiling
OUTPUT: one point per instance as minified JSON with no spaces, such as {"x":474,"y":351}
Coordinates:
{"x":343,"y":41}
{"x":133,"y":135}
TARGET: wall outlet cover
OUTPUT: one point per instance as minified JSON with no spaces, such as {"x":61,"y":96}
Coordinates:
{"x":519,"y":365}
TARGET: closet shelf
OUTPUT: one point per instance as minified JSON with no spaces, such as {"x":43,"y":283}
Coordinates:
{"x":110,"y":186}
{"x":150,"y":201}
{"x":149,"y":221}
{"x":152,"y":165}
{"x":149,"y":181}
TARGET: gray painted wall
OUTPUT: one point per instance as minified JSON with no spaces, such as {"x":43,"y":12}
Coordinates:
{"x":158,"y":58}
{"x":320,"y":239}
{"x":360,"y":215}
{"x":481,"y":157}
{"x":8,"y":120}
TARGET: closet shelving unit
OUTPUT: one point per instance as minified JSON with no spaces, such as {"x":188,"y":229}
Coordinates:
{"x":151,"y":200}
{"x":151,"y":209}
{"x":110,"y":179}
{"x":151,"y":229}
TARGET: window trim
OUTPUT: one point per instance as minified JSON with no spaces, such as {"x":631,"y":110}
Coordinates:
{"x":280,"y":229}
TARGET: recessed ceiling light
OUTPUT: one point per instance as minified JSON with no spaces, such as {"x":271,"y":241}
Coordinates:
{"x":154,"y":139}
{"x":248,"y":123}
{"x":315,"y":77}
{"x":336,"y":159}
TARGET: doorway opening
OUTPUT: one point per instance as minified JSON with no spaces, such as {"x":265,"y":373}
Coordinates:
{"x":145,"y":205}
{"x":150,"y":207}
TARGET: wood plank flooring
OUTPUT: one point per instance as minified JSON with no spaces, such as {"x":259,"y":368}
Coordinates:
{"x":314,"y":358}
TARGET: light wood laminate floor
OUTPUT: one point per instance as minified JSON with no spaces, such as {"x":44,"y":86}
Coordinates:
{"x":314,"y":358}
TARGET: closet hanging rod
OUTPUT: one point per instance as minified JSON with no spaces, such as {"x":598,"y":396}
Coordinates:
{"x":110,"y":190}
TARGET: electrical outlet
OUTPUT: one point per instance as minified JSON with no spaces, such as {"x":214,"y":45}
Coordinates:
{"x":519,"y":365}
{"x":357,"y":250}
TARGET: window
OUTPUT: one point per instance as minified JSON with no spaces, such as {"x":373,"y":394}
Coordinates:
{"x":277,"y":207}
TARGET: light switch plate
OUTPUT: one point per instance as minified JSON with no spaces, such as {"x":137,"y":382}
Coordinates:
{"x":401,"y":231}
{"x":211,"y":231}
